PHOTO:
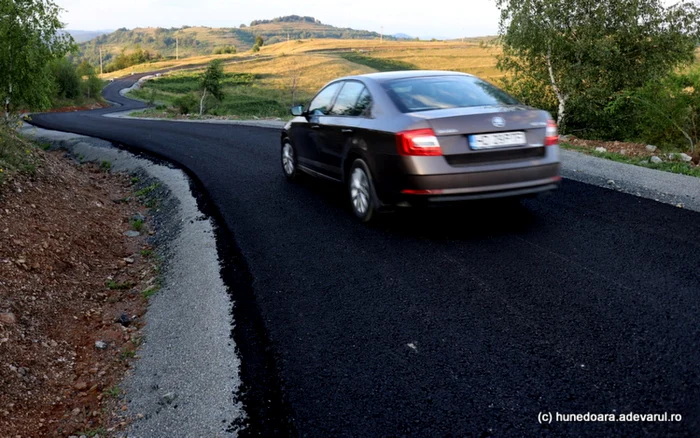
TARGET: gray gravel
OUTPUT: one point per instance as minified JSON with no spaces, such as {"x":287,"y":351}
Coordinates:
{"x":187,"y":376}
{"x":667,"y":187}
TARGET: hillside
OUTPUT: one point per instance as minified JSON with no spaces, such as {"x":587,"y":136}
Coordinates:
{"x":81,"y":36}
{"x":197,"y":41}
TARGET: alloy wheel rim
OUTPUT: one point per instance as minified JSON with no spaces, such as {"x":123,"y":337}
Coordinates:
{"x":359,"y":191}
{"x":288,"y":159}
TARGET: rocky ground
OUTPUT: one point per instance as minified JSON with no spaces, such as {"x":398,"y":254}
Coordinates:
{"x":638,"y":150}
{"x":73,"y":290}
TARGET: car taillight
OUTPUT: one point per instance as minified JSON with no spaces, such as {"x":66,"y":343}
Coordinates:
{"x":552,"y":134}
{"x":418,"y":142}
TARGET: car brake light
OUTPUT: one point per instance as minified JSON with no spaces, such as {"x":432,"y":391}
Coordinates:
{"x":421,"y":192}
{"x":418,"y":142}
{"x":551,"y":134}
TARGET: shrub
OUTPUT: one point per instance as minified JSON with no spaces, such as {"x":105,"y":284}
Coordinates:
{"x":186,"y":104}
{"x":66,"y":79}
{"x":225,"y":50}
{"x":663,"y":112}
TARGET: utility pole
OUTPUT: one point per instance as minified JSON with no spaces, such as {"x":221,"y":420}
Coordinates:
{"x":381,"y":35}
{"x":101,"y":60}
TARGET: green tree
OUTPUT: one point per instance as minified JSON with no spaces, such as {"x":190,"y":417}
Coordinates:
{"x":259,"y":41}
{"x":211,"y":83}
{"x":67,"y":83}
{"x":586,"y":51}
{"x":30,"y":38}
{"x":85,"y":69}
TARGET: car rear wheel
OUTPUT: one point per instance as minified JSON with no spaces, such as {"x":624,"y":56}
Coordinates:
{"x":289,"y":161}
{"x":363,"y":198}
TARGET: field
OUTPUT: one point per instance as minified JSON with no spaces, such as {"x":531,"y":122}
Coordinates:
{"x":313,"y":63}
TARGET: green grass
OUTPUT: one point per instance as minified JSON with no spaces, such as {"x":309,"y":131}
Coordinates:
{"x":113,"y":285}
{"x":379,"y":64}
{"x":113,"y":391}
{"x":146,"y":252}
{"x":127,"y":354}
{"x":147,"y":190}
{"x":106,"y":165}
{"x":101,"y":431}
{"x":667,"y":166}
{"x":244,"y":96}
{"x":16,"y":154}
{"x":150,"y":291}
{"x":136,"y":224}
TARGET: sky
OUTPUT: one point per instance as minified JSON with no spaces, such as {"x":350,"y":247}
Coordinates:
{"x":432,"y":18}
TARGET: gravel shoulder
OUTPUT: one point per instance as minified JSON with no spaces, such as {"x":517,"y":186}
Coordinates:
{"x":187,"y":378}
{"x":666,"y":187}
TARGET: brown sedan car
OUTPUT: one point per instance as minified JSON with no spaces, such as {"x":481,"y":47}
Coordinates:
{"x":421,"y":137}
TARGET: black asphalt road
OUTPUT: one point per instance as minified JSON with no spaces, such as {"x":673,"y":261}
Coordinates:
{"x":448,"y":322}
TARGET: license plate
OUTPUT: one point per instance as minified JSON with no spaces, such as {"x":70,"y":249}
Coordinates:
{"x":499,"y":140}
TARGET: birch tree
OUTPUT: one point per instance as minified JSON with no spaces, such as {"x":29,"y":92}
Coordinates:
{"x":30,"y":38}
{"x":211,"y":84}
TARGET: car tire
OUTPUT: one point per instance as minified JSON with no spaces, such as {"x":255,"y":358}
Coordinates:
{"x":363,"y":198}
{"x":289,"y":161}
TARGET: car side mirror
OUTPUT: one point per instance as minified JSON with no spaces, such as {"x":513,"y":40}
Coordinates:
{"x":298,"y":110}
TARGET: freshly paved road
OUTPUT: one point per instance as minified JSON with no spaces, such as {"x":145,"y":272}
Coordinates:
{"x":443,"y":323}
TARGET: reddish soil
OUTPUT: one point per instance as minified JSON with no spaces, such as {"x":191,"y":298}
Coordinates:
{"x":624,"y":148}
{"x":61,"y":242}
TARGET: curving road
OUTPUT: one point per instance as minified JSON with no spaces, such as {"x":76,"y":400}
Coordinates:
{"x":445,"y":322}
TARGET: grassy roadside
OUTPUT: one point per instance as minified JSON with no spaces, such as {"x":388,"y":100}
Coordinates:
{"x":676,"y":166}
{"x":244,"y":96}
{"x":17,"y":155}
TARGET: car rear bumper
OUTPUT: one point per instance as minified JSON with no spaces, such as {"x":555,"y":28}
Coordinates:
{"x":481,"y":185}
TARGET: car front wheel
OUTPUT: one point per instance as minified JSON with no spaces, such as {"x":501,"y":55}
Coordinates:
{"x":363,"y":198}
{"x":289,"y":161}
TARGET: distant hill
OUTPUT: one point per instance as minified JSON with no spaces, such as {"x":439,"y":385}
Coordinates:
{"x":402,"y":36}
{"x":194,"y":41}
{"x":80,"y":36}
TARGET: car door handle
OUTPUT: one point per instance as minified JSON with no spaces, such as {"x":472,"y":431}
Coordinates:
{"x":315,"y":126}
{"x":346,"y":131}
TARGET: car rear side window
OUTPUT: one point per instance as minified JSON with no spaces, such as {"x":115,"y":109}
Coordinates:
{"x":438,"y":92}
{"x":323,"y":100}
{"x":351,"y":101}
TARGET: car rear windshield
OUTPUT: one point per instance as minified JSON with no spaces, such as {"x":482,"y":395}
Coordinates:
{"x":439,"y":92}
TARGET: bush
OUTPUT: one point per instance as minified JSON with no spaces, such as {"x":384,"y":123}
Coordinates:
{"x":92,"y":86}
{"x":530,"y":92}
{"x":66,"y":79}
{"x":225,"y":50}
{"x":664,"y":112}
{"x":186,"y":104}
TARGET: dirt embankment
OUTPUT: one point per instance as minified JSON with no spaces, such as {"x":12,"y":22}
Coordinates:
{"x":71,"y":297}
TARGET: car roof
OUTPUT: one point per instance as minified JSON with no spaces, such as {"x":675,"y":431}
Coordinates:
{"x":404,"y":74}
